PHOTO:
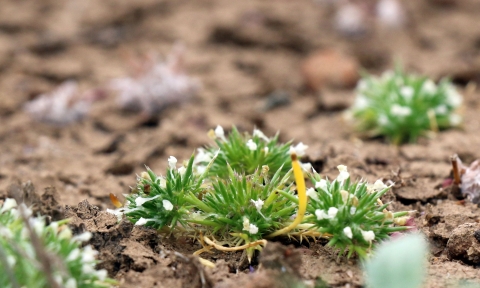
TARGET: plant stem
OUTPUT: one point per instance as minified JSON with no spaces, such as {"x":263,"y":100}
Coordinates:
{"x":302,"y":197}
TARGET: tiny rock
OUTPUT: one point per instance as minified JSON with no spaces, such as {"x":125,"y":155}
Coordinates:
{"x":463,"y":245}
{"x":329,"y":68}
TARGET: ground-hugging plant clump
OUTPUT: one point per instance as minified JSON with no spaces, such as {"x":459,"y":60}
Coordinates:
{"x":33,"y":254}
{"x":403,"y":107}
{"x":352,"y":214}
{"x":238,"y":209}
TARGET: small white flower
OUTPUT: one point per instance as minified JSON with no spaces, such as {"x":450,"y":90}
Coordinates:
{"x":202,"y":156}
{"x":343,"y":175}
{"x":219,"y":133}
{"x":251,"y":145}
{"x":265,"y":149}
{"x":454,"y":99}
{"x":8,"y":204}
{"x":361,"y":102}
{"x":74,"y":254}
{"x":322,"y":184}
{"x":246,"y":223}
{"x":88,"y":254}
{"x":163,"y":183}
{"x":84,"y":237}
{"x":11,"y":260}
{"x":383,"y":120}
{"x":306,"y":166}
{"x":348,"y":232}
{"x":117,"y":212}
{"x":140,"y":200}
{"x":379,"y":185}
{"x":441,"y":109}
{"x":71,"y":283}
{"x":407,"y":92}
{"x":332,"y":212}
{"x":167,"y":205}
{"x":37,"y":224}
{"x":259,"y":134}
{"x":182,"y":171}
{"x":102,"y":274}
{"x":172,"y":162}
{"x":312,"y":193}
{"x":362,"y":85}
{"x":141,"y":221}
{"x":400,"y":111}
{"x":66,"y":233}
{"x":321,"y":214}
{"x":369,"y":236}
{"x":258,"y":204}
{"x":88,"y":268}
{"x":353,"y":210}
{"x":455,"y":119}
{"x":299,"y":149}
{"x":201,"y":169}
{"x":253,"y":229}
{"x":429,"y":87}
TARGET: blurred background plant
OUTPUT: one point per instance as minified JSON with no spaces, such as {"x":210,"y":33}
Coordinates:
{"x":402,"y":107}
{"x":155,"y":85}
{"x":354,"y":18}
{"x":33,"y":254}
{"x":64,"y":105}
{"x":398,"y":263}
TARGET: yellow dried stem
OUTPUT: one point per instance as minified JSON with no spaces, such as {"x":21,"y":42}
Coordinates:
{"x":302,"y":197}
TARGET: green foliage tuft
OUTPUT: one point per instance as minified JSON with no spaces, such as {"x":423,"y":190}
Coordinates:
{"x":21,"y":265}
{"x":351,"y":214}
{"x":403,"y":107}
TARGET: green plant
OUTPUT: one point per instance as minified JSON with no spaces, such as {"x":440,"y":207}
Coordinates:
{"x":238,"y":202}
{"x":244,"y":153}
{"x":403,"y":106}
{"x":351,"y":214}
{"x":33,"y":254}
{"x":398,"y":263}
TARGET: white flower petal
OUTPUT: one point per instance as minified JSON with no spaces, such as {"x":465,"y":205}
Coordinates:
{"x":407,"y":93}
{"x":182,"y":170}
{"x":172,"y":162}
{"x":311,"y":193}
{"x":332,"y":212}
{"x":251,"y":145}
{"x":167,"y":205}
{"x":253,"y":229}
{"x":140,"y":200}
{"x":141,"y":221}
{"x":259,"y":134}
{"x":299,"y":149}
{"x":84,"y":237}
{"x":348,"y":232}
{"x":321,"y":214}
{"x":368,"y":235}
{"x":400,"y":111}
{"x":8,"y":204}
{"x":322,"y":184}
{"x":219,"y":133}
{"x":258,"y":204}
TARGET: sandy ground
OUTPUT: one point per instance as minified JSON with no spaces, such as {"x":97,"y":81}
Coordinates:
{"x":245,"y":54}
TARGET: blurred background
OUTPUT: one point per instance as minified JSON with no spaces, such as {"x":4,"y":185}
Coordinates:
{"x":289,"y":66}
